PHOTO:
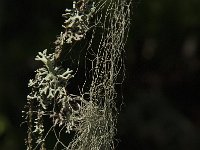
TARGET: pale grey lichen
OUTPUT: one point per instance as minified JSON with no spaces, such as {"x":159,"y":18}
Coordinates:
{"x":76,"y":24}
{"x":48,"y":79}
{"x":49,"y":97}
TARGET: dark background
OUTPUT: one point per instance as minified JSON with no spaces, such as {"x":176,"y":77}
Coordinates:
{"x":161,"y":108}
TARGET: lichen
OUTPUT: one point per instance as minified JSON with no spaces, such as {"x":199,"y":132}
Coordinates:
{"x":91,"y":115}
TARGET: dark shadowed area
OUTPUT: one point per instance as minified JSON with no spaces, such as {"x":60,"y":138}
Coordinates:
{"x":161,"y":91}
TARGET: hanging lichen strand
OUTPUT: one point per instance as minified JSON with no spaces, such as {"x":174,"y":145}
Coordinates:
{"x":91,"y":119}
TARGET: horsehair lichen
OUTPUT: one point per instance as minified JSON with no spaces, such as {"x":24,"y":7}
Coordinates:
{"x":92,"y":119}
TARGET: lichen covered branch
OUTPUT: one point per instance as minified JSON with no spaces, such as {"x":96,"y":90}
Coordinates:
{"x":91,"y":120}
